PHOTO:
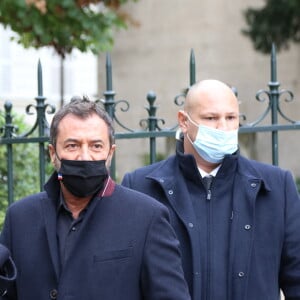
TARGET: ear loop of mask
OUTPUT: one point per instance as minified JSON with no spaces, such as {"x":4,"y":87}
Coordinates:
{"x":188,"y":118}
{"x":192,"y":121}
{"x":59,"y":175}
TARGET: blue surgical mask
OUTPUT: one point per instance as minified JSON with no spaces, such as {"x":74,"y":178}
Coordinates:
{"x":213,"y":144}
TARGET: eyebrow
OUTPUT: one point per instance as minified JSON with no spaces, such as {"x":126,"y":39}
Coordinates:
{"x":218,"y":113}
{"x":78,"y":141}
{"x":70,"y":140}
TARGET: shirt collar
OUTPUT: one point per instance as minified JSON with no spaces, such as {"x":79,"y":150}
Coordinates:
{"x":212,"y":173}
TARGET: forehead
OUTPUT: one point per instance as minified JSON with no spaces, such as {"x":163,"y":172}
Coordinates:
{"x":218,"y":105}
{"x":213,"y":100}
{"x":74,"y":127}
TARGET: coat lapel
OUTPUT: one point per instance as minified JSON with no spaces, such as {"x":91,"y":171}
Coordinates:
{"x":178,"y":197}
{"x":49,"y":214}
{"x":177,"y":194}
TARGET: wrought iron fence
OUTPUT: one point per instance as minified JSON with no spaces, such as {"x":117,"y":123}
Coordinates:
{"x":151,"y":127}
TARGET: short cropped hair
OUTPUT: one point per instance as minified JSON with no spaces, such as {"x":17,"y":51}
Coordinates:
{"x":82,"y":108}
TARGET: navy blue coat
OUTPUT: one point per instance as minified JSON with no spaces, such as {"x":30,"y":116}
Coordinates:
{"x":264,"y":245}
{"x":126,"y":250}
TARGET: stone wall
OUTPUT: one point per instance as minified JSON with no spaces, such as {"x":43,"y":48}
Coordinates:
{"x":154,"y":55}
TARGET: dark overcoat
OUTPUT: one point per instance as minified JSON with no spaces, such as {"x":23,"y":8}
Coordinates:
{"x":264,"y":245}
{"x":125,"y":250}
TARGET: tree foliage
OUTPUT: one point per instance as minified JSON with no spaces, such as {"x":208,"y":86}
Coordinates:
{"x":86,"y":25}
{"x":278,"y":22}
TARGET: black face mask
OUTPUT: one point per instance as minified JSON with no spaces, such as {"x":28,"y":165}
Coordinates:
{"x":83,"y":177}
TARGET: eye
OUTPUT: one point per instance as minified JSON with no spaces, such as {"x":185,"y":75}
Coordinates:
{"x":71,"y":146}
{"x":96,"y":147}
{"x":231,"y":118}
{"x":210,"y":118}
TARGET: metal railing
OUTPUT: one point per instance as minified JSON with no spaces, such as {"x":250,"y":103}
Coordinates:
{"x":151,"y":127}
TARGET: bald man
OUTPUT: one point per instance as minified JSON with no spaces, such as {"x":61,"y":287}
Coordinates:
{"x":237,"y":220}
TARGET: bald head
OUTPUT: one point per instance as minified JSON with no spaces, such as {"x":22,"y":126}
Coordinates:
{"x":210,"y":90}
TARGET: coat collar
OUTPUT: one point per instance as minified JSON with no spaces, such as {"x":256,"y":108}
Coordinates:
{"x":181,"y":166}
{"x":171,"y":179}
{"x":231,"y":165}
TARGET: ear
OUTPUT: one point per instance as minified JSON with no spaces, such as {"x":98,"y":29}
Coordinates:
{"x":110,"y":155}
{"x":182,"y":121}
{"x":51,"y":153}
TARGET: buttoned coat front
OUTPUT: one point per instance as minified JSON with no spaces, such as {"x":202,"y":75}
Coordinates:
{"x":264,"y":246}
{"x":126,"y":249}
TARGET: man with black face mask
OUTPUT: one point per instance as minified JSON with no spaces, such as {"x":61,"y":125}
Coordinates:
{"x":237,"y":220}
{"x":86,"y":237}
